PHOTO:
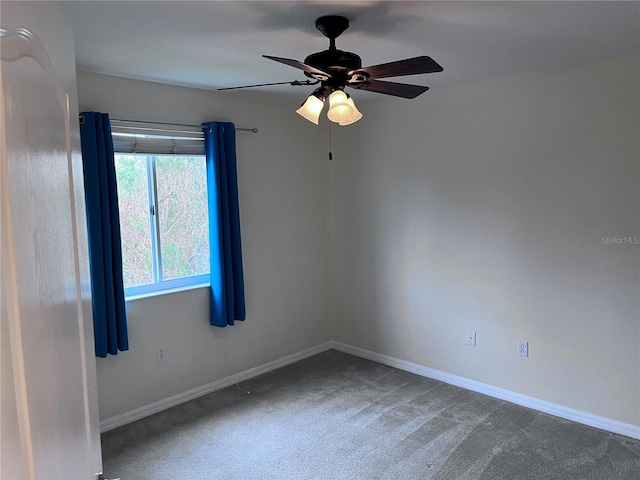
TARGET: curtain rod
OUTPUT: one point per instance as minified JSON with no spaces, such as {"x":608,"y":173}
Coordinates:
{"x":252,"y":130}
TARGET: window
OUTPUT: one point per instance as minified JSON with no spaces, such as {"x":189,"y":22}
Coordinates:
{"x":163,"y":213}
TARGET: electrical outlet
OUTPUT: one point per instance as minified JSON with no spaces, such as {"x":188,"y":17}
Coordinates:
{"x":523,"y":348}
{"x":161,"y":353}
{"x":471,"y":338}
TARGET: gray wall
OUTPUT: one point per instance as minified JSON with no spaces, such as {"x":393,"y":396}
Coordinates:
{"x":483,"y":207}
{"x":282,"y":178}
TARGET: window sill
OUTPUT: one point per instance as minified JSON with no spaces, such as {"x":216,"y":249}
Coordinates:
{"x":165,"y":291}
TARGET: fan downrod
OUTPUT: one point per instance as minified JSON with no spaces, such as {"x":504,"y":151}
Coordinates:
{"x":332,"y":26}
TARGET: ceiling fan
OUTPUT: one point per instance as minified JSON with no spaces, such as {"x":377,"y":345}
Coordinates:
{"x":336,"y":69}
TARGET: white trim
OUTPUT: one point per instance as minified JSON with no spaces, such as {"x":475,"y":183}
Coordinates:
{"x":155,"y":407}
{"x":165,"y":291}
{"x":561,"y":411}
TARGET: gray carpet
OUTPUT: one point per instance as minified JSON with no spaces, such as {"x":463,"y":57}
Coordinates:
{"x":335,"y":416}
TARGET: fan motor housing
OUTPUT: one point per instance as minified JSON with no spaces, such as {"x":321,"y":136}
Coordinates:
{"x":333,"y":61}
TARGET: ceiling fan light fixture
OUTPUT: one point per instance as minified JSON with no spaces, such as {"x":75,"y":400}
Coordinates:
{"x":339,"y":109}
{"x":336,"y":69}
{"x":311,"y":108}
{"x":356,"y":114}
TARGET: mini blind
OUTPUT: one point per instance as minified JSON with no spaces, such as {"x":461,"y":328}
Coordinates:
{"x":141,"y":137}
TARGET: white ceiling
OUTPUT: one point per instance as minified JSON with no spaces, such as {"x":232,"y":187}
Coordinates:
{"x":215,"y":44}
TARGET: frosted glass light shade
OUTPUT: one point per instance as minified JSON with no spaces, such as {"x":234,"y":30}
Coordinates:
{"x":311,"y":109}
{"x":356,"y":114}
{"x":339,"y":108}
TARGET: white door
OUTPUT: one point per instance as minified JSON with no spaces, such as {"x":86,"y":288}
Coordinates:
{"x":50,"y":427}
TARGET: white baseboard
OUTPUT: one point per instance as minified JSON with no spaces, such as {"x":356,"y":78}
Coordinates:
{"x":561,"y":411}
{"x":142,"y":412}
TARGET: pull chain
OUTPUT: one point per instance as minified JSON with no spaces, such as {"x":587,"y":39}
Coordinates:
{"x":330,"y":146}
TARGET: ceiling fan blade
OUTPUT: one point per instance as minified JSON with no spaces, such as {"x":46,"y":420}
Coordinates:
{"x":409,"y":66}
{"x":403,"y":90}
{"x":319,"y":74}
{"x":295,"y":83}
